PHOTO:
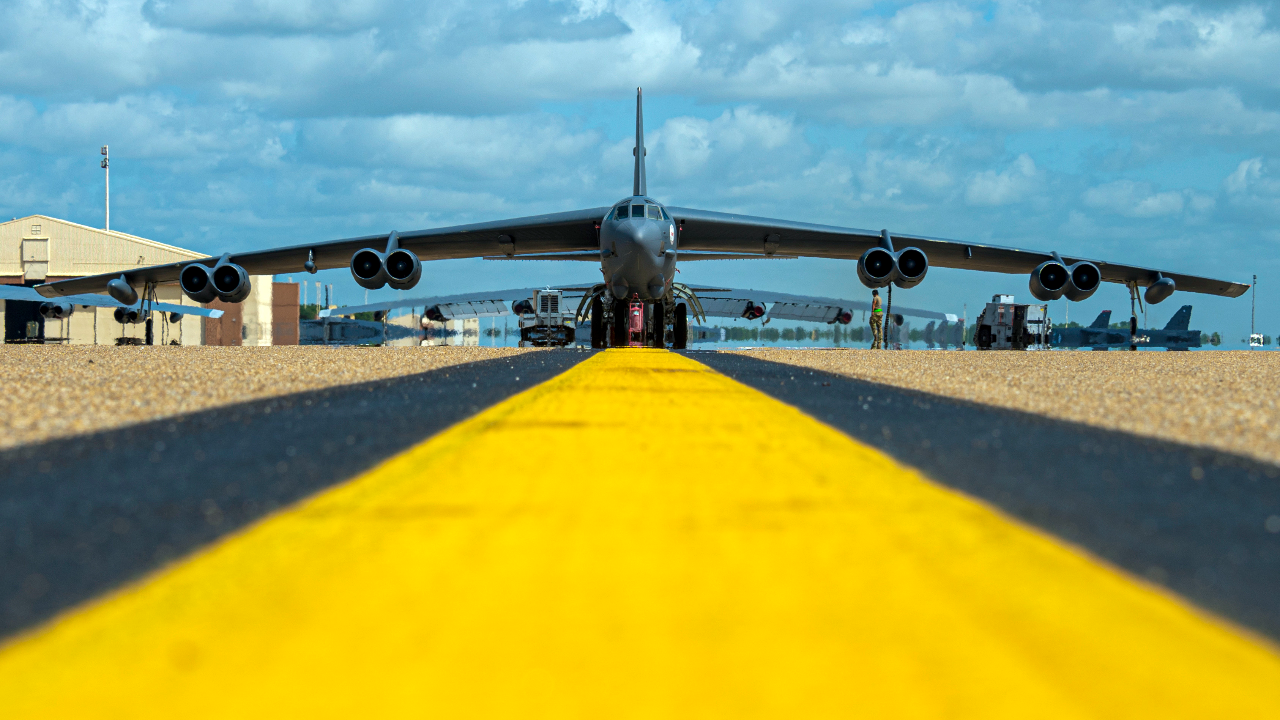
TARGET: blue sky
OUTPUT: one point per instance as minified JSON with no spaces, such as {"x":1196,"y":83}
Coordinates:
{"x":1138,"y":132}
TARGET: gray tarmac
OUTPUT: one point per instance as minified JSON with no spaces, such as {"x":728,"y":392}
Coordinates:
{"x":1191,"y":519}
{"x":80,"y":516}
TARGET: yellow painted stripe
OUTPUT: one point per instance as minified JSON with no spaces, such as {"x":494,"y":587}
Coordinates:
{"x":639,"y":537}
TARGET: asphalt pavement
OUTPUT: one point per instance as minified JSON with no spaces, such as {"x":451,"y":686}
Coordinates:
{"x":1190,"y":519}
{"x":80,"y":516}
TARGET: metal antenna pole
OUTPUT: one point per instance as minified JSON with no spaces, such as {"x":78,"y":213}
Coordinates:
{"x":1253,"y":313}
{"x":106,"y":166}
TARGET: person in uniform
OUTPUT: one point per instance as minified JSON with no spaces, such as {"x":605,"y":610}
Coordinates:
{"x":877,"y":322}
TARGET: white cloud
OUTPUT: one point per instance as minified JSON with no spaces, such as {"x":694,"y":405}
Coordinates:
{"x":1001,"y":188}
{"x":1139,"y":200}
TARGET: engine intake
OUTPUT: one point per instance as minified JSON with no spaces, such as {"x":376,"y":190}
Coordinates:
{"x":1085,"y":279}
{"x":197,"y":283}
{"x":397,"y":267}
{"x":1049,"y":280}
{"x":130,"y":316}
{"x":231,"y":282}
{"x":56,"y":310}
{"x":403,"y":269}
{"x":753,"y":311}
{"x":522,"y":307}
{"x":912,"y":264}
{"x":844,"y":317}
{"x":905,"y":268}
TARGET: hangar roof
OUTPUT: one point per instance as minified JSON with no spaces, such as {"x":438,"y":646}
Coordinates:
{"x":41,"y":248}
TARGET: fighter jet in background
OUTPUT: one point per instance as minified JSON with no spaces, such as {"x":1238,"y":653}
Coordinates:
{"x":1176,"y":334}
{"x":636,"y":242}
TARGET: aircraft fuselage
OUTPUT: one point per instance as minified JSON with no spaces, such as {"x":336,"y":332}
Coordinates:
{"x":638,"y":251}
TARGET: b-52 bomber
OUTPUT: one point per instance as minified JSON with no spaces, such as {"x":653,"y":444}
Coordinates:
{"x":636,"y":242}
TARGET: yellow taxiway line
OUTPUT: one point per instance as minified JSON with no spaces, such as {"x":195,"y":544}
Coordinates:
{"x":639,"y":537}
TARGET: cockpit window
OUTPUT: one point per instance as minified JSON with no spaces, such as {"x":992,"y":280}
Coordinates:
{"x":654,"y":212}
{"x":621,"y":214}
{"x":637,"y":211}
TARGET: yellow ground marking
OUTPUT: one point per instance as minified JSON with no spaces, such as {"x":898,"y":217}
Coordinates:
{"x":639,"y":537}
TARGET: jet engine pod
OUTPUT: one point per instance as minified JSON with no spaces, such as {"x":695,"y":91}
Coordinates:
{"x":522,"y":307}
{"x":1049,"y":280}
{"x":753,"y":311}
{"x":197,"y":283}
{"x":403,"y":269}
{"x":129,"y":316}
{"x":911,"y":264}
{"x":56,"y":310}
{"x":1085,"y":279}
{"x":433,"y":313}
{"x":1159,"y":290}
{"x":369,"y":268}
{"x":844,"y":317}
{"x":231,"y":282}
{"x":877,"y":267}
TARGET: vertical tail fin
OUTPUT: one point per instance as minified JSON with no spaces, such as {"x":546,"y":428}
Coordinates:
{"x":1181,"y":320}
{"x":1104,"y":319}
{"x":639,"y":150}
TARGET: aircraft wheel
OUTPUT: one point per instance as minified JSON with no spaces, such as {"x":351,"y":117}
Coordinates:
{"x":620,"y":324}
{"x":597,"y":323}
{"x":680,"y":334}
{"x":659,"y":314}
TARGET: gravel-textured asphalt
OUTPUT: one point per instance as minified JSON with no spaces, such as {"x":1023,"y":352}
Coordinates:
{"x":51,"y":391}
{"x":1204,"y":523}
{"x":1228,"y":400}
{"x":81,"y":515}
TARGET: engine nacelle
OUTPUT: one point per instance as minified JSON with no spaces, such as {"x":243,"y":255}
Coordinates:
{"x":905,"y":268}
{"x":434,"y":315}
{"x":844,"y":317}
{"x":911,"y":265}
{"x":1049,"y":280}
{"x":1159,"y":290}
{"x":522,"y":307}
{"x":130,"y":316}
{"x":403,"y":269}
{"x":369,"y":268}
{"x":175,"y":317}
{"x":196,"y":282}
{"x":876,"y":267}
{"x":753,"y":311}
{"x":56,"y":310}
{"x":1084,"y":281}
{"x":231,"y":282}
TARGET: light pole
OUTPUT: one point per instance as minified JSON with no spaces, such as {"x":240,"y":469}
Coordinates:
{"x":106,"y":166}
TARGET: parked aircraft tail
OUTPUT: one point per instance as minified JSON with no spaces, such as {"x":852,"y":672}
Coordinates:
{"x":639,"y":150}
{"x":1104,"y":319}
{"x":1181,"y":320}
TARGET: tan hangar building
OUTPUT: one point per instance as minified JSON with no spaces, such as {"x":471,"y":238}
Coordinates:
{"x":38,"y":248}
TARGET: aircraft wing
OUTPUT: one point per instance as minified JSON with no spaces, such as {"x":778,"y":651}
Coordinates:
{"x":720,"y":302}
{"x":464,"y":305}
{"x":19,"y":292}
{"x":706,"y":231}
{"x":566,"y":232}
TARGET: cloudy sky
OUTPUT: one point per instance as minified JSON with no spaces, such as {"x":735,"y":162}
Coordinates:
{"x":1139,"y":132}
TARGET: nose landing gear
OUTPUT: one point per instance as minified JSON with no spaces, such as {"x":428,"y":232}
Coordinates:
{"x":638,"y":323}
